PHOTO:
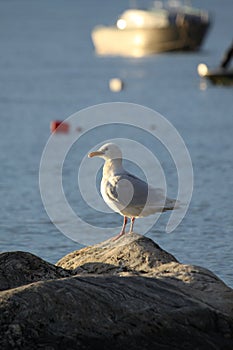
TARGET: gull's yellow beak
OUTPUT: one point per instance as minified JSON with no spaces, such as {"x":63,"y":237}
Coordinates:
{"x":95,"y":154}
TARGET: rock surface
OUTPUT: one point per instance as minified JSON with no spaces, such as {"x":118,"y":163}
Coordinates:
{"x":20,"y":268}
{"x":114,"y":295}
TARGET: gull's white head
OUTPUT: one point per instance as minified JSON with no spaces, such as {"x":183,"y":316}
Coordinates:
{"x":107,"y":152}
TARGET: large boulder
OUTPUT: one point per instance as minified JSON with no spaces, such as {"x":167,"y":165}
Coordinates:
{"x":119,"y":294}
{"x":20,"y":268}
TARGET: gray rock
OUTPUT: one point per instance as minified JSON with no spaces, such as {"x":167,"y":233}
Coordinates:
{"x":127,"y":294}
{"x":20,"y":268}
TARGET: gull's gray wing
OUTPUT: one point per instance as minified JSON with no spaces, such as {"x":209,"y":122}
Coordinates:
{"x":132,"y":194}
{"x":121,"y":188}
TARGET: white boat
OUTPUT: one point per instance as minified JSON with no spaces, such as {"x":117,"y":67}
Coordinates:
{"x":140,"y":32}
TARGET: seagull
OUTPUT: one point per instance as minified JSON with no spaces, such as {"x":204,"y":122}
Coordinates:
{"x":127,"y":194}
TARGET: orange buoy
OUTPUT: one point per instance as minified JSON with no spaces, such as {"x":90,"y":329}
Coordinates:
{"x":59,"y":126}
{"x":79,"y":129}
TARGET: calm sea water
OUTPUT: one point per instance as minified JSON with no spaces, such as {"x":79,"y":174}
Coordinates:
{"x":48,"y":70}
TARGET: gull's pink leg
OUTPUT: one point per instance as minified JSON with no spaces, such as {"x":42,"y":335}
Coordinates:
{"x":122,"y":230}
{"x":131,"y":224}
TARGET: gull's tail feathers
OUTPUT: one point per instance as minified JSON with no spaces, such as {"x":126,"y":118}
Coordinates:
{"x":171,"y":204}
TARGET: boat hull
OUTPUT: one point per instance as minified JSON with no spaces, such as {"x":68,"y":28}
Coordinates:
{"x":139,"y":42}
{"x":220,"y":77}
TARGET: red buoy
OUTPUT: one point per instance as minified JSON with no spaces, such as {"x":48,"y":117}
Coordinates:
{"x":59,"y":126}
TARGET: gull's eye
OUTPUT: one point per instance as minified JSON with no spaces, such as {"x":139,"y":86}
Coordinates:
{"x":106,"y":149}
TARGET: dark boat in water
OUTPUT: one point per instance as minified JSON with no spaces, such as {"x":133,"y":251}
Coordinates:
{"x":218,"y":76}
{"x":221,"y":75}
{"x":140,"y":32}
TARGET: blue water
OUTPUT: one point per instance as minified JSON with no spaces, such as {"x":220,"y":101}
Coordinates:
{"x":48,"y":70}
